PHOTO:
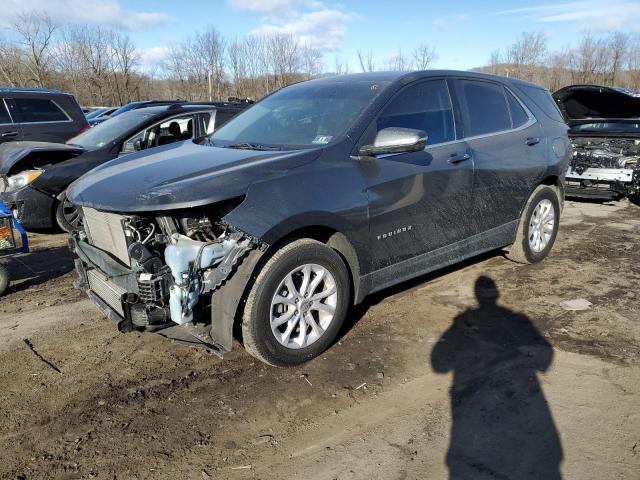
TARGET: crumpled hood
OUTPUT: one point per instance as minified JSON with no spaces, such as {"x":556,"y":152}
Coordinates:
{"x":586,"y":102}
{"x":11,"y":153}
{"x":179,"y":175}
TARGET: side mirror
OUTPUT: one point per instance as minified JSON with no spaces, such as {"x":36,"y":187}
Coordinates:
{"x":395,"y":140}
{"x":137,"y":144}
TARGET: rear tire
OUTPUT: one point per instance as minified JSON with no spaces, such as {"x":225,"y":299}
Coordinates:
{"x":538,"y":227}
{"x":304,"y":285}
{"x":67,"y":215}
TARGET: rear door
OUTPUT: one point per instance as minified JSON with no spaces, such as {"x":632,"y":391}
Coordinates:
{"x":42,"y":119}
{"x":9,"y":130}
{"x":419,"y":201}
{"x":507,"y":147}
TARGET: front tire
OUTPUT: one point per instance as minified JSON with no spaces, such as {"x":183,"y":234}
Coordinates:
{"x":297,"y":304}
{"x":67,"y":215}
{"x":538,"y":226}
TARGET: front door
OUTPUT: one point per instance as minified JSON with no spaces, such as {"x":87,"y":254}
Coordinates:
{"x":419,"y":201}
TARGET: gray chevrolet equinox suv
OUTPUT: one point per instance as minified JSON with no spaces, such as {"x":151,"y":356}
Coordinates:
{"x":315,"y":197}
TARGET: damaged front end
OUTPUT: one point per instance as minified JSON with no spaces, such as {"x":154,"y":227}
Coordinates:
{"x":152,"y":272}
{"x":604,"y":167}
{"x":605,"y":133}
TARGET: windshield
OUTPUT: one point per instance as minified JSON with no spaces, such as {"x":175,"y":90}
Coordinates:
{"x":630,"y":126}
{"x":303,"y":115}
{"x":106,"y":132}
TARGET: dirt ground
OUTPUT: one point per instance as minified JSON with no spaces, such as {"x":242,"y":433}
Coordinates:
{"x":434,"y":378}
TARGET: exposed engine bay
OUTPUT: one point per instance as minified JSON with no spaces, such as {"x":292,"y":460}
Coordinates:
{"x":151,"y":272}
{"x":604,"y":167}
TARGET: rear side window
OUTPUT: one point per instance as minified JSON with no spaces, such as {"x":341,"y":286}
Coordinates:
{"x":4,"y":115}
{"x":518,"y":116}
{"x":484,"y":107}
{"x":425,"y":106}
{"x":39,"y":110}
{"x":544,"y":101}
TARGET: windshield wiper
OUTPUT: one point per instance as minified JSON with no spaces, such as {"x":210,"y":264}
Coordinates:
{"x":251,"y":146}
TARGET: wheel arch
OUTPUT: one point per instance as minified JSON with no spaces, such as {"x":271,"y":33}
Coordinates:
{"x":227,"y":303}
{"x":555,"y":181}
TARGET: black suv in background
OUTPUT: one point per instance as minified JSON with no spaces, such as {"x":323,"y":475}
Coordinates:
{"x":315,"y":197}
{"x":34,"y":175}
{"x":39,"y":115}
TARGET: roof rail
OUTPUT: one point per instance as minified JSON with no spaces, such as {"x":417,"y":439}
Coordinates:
{"x":28,"y":90}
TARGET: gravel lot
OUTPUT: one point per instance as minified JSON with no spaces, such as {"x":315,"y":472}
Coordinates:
{"x":434,"y":375}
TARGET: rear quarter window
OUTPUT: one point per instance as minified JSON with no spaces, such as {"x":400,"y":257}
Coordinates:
{"x":518,"y":116}
{"x":543,"y":99}
{"x":39,"y":110}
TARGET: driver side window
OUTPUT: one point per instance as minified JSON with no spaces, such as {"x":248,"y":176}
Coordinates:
{"x":172,"y":130}
{"x":424,"y":106}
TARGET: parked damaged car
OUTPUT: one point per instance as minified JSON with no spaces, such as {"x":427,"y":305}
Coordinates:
{"x":605,"y":134}
{"x":34,"y":176}
{"x":315,"y":197}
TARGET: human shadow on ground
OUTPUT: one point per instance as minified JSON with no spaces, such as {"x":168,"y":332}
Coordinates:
{"x":502,"y":427}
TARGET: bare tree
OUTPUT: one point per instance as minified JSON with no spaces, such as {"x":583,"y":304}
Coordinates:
{"x":11,"y":68}
{"x":424,"y":56}
{"x":589,"y":60}
{"x":102,"y":66}
{"x":367,"y":63}
{"x":526,"y":53}
{"x":632,"y":63}
{"x":618,"y":46}
{"x":35,"y":32}
{"x":341,"y":67}
{"x":311,"y":59}
{"x":210,"y":46}
{"x":399,"y":62}
{"x":124,"y":61}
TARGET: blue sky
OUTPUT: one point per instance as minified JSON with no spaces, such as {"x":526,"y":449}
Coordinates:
{"x":464,"y":33}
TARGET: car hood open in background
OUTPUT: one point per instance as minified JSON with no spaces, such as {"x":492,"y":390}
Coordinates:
{"x":24,"y":155}
{"x":587,"y":102}
{"x":179,"y":175}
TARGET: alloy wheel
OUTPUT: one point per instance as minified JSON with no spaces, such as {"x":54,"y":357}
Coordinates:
{"x":541,"y":225}
{"x":303,"y":306}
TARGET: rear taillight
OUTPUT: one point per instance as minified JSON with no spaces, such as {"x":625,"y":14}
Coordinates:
{"x":84,"y":128}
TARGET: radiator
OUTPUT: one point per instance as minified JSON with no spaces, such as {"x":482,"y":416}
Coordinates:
{"x":109,"y":292}
{"x":105,"y":232}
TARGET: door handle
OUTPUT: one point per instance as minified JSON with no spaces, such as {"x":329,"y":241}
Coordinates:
{"x":9,"y":134}
{"x":532,"y":141}
{"x":458,"y":157}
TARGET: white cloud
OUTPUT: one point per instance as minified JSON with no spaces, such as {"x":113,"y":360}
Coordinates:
{"x":308,"y":20}
{"x":324,"y":29}
{"x":99,"y":12}
{"x":596,"y":15}
{"x":152,"y":58}
{"x":442,"y":24}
